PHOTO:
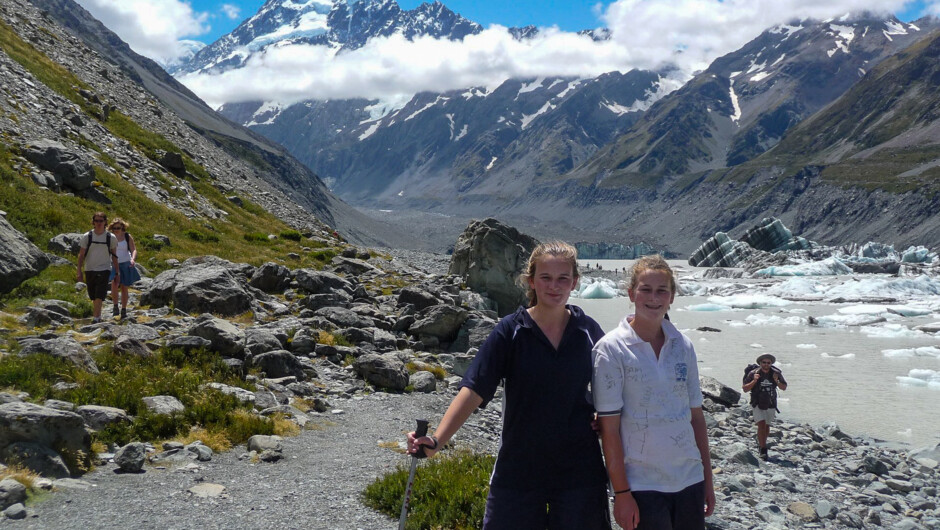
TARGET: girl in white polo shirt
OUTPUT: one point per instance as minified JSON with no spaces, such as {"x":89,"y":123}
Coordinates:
{"x":647,"y":394}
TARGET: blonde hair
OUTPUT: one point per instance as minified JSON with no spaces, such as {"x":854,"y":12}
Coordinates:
{"x":653,"y":262}
{"x":119,"y":221}
{"x":555,"y":249}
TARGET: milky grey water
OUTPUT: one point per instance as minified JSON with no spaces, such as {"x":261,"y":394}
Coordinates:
{"x":838,"y":374}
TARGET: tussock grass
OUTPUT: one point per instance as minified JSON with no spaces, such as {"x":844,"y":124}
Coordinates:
{"x":449,"y":491}
{"x":124,"y":381}
{"x":20,"y":474}
{"x":332,"y":339}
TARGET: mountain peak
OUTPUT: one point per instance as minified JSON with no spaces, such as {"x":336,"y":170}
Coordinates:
{"x":339,"y":24}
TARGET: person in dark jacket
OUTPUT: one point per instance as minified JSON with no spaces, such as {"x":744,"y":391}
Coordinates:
{"x":763,"y":382}
{"x":549,"y":472}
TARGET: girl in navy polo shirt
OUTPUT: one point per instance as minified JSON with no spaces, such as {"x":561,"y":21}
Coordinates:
{"x":647,"y":395}
{"x":549,"y":472}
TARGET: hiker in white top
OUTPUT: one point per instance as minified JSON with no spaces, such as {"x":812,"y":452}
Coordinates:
{"x":647,"y":395}
{"x":95,"y":259}
{"x":126,"y":273}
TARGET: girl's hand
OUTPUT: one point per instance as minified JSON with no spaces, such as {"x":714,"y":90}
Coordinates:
{"x":429,"y":443}
{"x":626,"y":512}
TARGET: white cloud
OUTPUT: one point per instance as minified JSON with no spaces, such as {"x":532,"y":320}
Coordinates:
{"x":153,"y":28}
{"x":645,"y":34}
{"x":231,"y":11}
{"x":934,"y":9}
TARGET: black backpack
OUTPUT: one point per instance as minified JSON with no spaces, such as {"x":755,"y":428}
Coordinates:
{"x":764,"y":400}
{"x":91,"y":240}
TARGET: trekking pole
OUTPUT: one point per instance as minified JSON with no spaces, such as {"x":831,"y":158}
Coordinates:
{"x":422,"y":430}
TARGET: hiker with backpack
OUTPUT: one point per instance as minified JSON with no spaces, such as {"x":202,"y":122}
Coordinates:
{"x":649,"y":402}
{"x":96,"y":258}
{"x":125,"y":275}
{"x":549,"y":472}
{"x":763,"y":380}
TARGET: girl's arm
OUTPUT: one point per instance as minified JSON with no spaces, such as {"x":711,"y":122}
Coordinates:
{"x":132,"y":248}
{"x":626,"y":512}
{"x":457,"y":413}
{"x":701,"y":440}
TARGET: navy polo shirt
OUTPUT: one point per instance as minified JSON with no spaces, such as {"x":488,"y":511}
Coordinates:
{"x":547,"y":439}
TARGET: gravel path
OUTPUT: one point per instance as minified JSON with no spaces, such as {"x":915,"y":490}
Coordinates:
{"x":316,"y":485}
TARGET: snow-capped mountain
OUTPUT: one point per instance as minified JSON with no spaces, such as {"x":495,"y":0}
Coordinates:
{"x":744,"y":103}
{"x":469,"y":141}
{"x":338,"y":24}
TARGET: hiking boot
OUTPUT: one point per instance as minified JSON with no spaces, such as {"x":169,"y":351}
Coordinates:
{"x":114,"y":311}
{"x":763,"y":454}
{"x":123,"y":313}
{"x":96,"y":320}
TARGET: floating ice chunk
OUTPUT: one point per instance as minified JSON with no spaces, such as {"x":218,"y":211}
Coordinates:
{"x":708,"y":307}
{"x":891,"y":331}
{"x":879,"y":287}
{"x":597,"y":288}
{"x":806,"y":346}
{"x":876,"y":309}
{"x":756,"y":345}
{"x":906,"y":432}
{"x":838,"y":321}
{"x":825,"y":355}
{"x":761,"y":319}
{"x":798,"y":286}
{"x":692,"y":289}
{"x":749,"y":301}
{"x":924,"y":351}
{"x":921,"y":378}
{"x":918,"y":255}
{"x":910,"y":381}
{"x":933,"y":327}
{"x":826,"y":267}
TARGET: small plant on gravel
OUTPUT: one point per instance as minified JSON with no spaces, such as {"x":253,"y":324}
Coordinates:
{"x":449,"y":491}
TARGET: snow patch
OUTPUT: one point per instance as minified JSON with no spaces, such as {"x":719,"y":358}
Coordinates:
{"x":527,"y":118}
{"x":758,"y":77}
{"x":368,"y":132}
{"x":530,"y":87}
{"x":737,"y":108}
{"x":462,"y":133}
{"x":272,"y":107}
{"x":492,"y":162}
{"x":426,"y":107}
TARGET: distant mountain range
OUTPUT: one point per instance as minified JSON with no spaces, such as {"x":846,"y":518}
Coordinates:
{"x":623,"y":157}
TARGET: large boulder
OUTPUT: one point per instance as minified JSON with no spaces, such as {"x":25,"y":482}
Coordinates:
{"x":11,"y":492}
{"x":61,"y":431}
{"x":279,"y":363}
{"x":69,"y":243}
{"x":200,"y":286}
{"x":321,"y":282}
{"x":64,"y":347}
{"x":20,"y":259}
{"x":224,"y":337}
{"x":440,"y":321}
{"x":718,"y":392}
{"x":67,"y":167}
{"x":271,"y":278}
{"x":490,"y":256}
{"x":384,"y":371}
{"x":98,"y":417}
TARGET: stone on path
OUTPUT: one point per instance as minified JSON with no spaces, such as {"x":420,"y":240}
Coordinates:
{"x":207,"y":490}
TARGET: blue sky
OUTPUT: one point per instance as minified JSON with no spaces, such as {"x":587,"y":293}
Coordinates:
{"x":569,"y":15}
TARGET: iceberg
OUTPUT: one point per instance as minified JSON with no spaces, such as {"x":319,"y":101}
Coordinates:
{"x":919,"y":286}
{"x":596,"y":289}
{"x":843,"y":356}
{"x":797,"y":286}
{"x":761,"y":319}
{"x":826,"y":267}
{"x":925,"y":351}
{"x":918,"y":255}
{"x":921,"y":378}
{"x":806,"y":346}
{"x":891,"y":331}
{"x":749,"y":301}
{"x":875,"y":309}
{"x":837,"y":321}
{"x":708,"y":307}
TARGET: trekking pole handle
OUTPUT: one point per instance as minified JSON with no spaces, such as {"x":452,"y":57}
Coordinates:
{"x":421,"y":430}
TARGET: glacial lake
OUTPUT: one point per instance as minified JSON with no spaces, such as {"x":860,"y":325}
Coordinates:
{"x":880,"y":379}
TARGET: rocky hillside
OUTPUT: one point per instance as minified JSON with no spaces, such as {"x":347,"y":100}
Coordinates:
{"x":238,"y":159}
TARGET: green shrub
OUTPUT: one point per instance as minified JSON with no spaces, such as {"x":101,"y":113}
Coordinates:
{"x":256,"y":237}
{"x":200,"y":236}
{"x":449,"y":491}
{"x":323,"y":255}
{"x":293,"y":235}
{"x":149,"y":243}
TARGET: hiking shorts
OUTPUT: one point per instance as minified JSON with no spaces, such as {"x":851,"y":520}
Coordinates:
{"x":555,"y":509}
{"x":768,"y":415}
{"x":682,"y":510}
{"x":97,"y":282}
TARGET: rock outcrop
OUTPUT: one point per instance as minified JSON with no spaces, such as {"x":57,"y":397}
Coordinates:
{"x":490,"y":256}
{"x":20,"y":259}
